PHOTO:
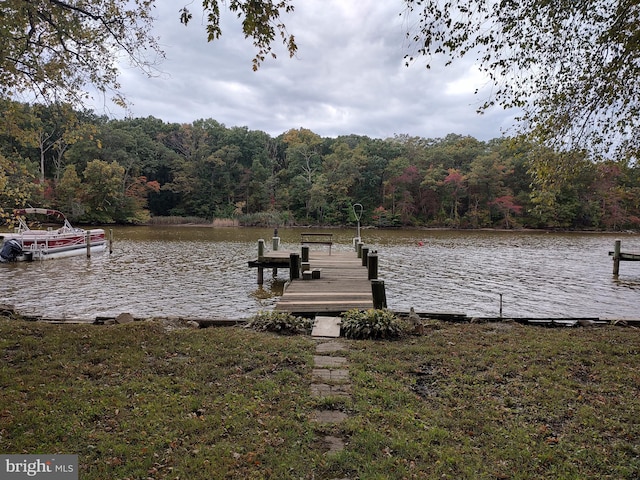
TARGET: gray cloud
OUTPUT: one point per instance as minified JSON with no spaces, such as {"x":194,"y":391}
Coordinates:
{"x":348,"y":77}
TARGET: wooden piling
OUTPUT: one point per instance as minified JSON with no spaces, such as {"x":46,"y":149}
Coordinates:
{"x":305,"y":253}
{"x":379,"y":294}
{"x":372,"y":264}
{"x":619,"y":256}
{"x":110,"y":240}
{"x":294,"y":266}
{"x":88,"y":244}
{"x":260,"y":257}
{"x":275,"y":246}
{"x":365,"y":256}
{"x":616,"y":258}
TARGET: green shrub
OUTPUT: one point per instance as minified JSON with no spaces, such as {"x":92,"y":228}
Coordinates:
{"x":371,"y":324}
{"x":280,"y":322}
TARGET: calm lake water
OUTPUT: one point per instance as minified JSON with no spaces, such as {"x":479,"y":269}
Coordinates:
{"x":202,"y":272}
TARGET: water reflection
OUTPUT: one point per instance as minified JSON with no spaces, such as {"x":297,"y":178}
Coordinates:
{"x":202,"y":272}
{"x":275,"y":288}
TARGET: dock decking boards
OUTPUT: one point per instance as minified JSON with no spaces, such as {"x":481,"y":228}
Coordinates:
{"x":343,"y":285}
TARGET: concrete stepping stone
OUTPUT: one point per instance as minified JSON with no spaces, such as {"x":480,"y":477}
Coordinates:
{"x":333,"y":444}
{"x":328,"y":416}
{"x":330,"y":375}
{"x":325,"y":361}
{"x":330,"y":378}
{"x":323,"y":390}
{"x":330,"y":347}
{"x":326,"y":327}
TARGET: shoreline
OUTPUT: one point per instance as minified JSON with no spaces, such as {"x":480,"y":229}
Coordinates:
{"x":9,"y":312}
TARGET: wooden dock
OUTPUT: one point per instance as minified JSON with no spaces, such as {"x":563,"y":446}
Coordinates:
{"x":343,"y":285}
{"x":619,"y":256}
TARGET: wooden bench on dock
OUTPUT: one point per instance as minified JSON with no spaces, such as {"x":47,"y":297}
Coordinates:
{"x":317,"y":238}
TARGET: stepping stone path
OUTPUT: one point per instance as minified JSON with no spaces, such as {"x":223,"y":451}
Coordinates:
{"x":330,"y":378}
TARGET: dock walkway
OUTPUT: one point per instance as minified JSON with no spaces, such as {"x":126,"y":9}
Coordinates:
{"x":343,"y":285}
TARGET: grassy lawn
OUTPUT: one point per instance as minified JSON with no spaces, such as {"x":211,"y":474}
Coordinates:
{"x":491,"y":401}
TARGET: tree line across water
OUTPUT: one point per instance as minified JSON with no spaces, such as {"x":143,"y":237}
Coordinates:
{"x":100,"y":170}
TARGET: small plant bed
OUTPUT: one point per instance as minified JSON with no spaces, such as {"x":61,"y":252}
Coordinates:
{"x":280,"y":322}
{"x":372,"y":324}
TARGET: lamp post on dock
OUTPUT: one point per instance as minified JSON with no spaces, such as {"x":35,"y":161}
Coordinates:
{"x":357,"y":212}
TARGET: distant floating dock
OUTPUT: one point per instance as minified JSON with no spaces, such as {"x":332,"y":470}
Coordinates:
{"x":619,"y":256}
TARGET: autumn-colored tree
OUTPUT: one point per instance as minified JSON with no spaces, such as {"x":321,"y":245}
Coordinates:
{"x":16,"y":186}
{"x":559,"y":184}
{"x":342,"y":170}
{"x":103,"y":191}
{"x":137,"y":194}
{"x":486,"y":178}
{"x":430,"y":186}
{"x":260,"y":21}
{"x":54,"y":49}
{"x":406,"y":193}
{"x":303,"y":161}
{"x":617,"y":201}
{"x":455,"y":185}
{"x":571,"y":67}
{"x":68,"y":193}
{"x":507,"y":206}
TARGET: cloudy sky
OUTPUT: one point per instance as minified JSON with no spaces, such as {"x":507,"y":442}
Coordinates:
{"x":349,"y":77}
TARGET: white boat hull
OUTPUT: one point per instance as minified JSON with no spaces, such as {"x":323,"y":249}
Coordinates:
{"x":30,"y":256}
{"x":28,"y":245}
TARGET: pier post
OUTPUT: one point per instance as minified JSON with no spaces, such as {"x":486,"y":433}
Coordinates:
{"x":372,"y":263}
{"x":360,"y":245}
{"x":305,"y":253}
{"x":616,"y":258}
{"x":365,"y":255}
{"x":379,"y":294}
{"x":294,"y":266}
{"x":275,"y":246}
{"x":88,"y":244}
{"x":260,"y":257}
{"x":110,"y":240}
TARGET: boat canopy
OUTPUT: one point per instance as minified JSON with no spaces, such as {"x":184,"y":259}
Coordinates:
{"x":23,"y":227}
